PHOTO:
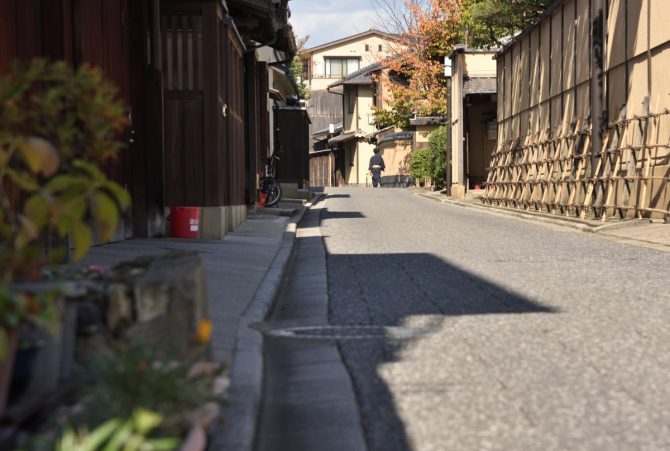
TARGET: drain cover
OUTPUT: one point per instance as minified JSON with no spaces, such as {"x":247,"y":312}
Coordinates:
{"x":349,"y":332}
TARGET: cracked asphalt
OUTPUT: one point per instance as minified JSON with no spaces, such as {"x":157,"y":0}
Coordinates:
{"x":541,"y":337}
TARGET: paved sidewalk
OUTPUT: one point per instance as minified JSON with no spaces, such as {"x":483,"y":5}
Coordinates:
{"x":635,"y":232}
{"x":244,"y":273}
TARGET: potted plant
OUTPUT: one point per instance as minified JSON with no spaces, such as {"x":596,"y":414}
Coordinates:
{"x":58,"y":125}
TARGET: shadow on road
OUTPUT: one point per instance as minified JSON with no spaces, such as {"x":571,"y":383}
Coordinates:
{"x":394,"y":290}
{"x":345,"y":215}
{"x":338,"y":196}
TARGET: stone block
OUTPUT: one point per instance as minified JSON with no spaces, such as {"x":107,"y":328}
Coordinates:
{"x":170,"y":299}
{"x":119,"y":307}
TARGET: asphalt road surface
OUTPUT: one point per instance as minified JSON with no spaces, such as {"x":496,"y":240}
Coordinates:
{"x":500,"y":333}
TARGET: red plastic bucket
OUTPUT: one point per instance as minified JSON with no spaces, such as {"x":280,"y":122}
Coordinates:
{"x":184,"y":222}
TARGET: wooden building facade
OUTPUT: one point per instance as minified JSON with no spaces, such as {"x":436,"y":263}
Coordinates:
{"x":183,"y":68}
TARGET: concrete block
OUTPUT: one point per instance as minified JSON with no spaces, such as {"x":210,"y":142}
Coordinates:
{"x":170,"y":300}
{"x":458,"y":192}
{"x":119,"y":307}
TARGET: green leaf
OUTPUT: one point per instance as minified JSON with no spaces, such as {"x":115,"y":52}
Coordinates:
{"x":39,"y":155}
{"x":146,"y":420}
{"x":68,"y":441}
{"x":37,"y":209}
{"x":163,"y":444}
{"x":93,"y":170}
{"x":82,"y":239}
{"x":23,"y":180}
{"x":60,"y":183}
{"x":120,"y":437}
{"x":120,"y":194}
{"x":105,"y":214}
{"x":4,"y":342}
{"x":29,"y":228}
{"x":100,"y":435}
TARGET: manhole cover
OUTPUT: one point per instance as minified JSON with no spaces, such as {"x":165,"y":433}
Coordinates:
{"x":349,"y":332}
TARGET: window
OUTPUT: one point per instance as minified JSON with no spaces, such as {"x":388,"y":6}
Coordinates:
{"x":380,"y":47}
{"x":341,"y":67}
{"x":351,"y":102}
{"x":367,"y":48}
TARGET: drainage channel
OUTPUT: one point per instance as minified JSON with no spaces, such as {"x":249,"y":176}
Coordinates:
{"x":339,"y":333}
{"x":308,"y":399}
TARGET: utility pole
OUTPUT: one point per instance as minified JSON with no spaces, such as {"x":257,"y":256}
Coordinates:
{"x":447,"y":73}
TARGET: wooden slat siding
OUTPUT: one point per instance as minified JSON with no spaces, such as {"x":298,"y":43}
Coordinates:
{"x":29,"y":37}
{"x":141,"y":88}
{"x":191,"y":150}
{"x":187,"y":42}
{"x":174,"y":174}
{"x":210,"y":156}
{"x":252,"y":131}
{"x":197,"y":52}
{"x":92,"y":32}
{"x":154,"y":144}
{"x":166,"y":74}
{"x":53,"y":29}
{"x":235,"y":173}
{"x":264,"y":121}
{"x":320,"y":170}
{"x":68,"y":30}
{"x":7,"y":34}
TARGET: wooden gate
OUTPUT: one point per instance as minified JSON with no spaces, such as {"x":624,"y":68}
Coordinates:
{"x":202,"y":65}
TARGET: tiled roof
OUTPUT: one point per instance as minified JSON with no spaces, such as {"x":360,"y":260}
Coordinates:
{"x":359,"y":77}
{"x":486,"y":85}
{"x":398,"y":136}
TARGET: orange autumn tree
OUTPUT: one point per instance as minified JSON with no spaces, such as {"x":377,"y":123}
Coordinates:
{"x":414,"y":75}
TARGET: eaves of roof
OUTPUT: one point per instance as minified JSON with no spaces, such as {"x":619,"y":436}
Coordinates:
{"x":370,"y":32}
{"x":484,"y":85}
{"x":398,"y":136}
{"x":359,"y":77}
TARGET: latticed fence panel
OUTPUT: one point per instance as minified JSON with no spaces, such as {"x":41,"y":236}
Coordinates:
{"x":554,"y":175}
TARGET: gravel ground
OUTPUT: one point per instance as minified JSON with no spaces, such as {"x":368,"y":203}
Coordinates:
{"x":532,"y":337}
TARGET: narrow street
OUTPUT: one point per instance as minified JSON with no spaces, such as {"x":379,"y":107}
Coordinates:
{"x":453,"y":329}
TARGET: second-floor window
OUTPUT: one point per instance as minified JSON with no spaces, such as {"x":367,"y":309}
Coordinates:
{"x":341,"y":67}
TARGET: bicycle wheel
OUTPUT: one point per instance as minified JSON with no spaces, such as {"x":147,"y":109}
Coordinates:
{"x":272,"y":189}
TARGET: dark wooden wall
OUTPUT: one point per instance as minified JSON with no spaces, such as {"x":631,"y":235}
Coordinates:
{"x":203,"y":79}
{"x":106,"y":34}
{"x":233,"y":123}
{"x":293,"y":124}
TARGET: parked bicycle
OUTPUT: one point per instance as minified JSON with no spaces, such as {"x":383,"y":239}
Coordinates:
{"x":269,"y":185}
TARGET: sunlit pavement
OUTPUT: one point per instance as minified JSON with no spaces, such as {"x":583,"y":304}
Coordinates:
{"x":509,"y":334}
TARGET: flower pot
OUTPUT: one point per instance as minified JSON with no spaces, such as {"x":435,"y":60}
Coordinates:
{"x":6,"y":364}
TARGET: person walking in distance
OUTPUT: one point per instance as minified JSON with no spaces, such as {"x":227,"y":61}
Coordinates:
{"x":376,"y":167}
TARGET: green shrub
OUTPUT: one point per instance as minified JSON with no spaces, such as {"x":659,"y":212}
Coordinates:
{"x":420,"y":165}
{"x":437,"y":145}
{"x":430,"y":162}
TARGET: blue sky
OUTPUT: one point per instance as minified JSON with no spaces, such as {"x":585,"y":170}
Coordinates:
{"x":329,"y":20}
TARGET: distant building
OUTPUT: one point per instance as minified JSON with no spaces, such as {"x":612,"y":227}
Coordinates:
{"x":473,"y":117}
{"x":326,"y":63}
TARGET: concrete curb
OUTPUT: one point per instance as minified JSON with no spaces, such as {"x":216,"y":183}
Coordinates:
{"x":246,"y":372}
{"x":578,"y":224}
